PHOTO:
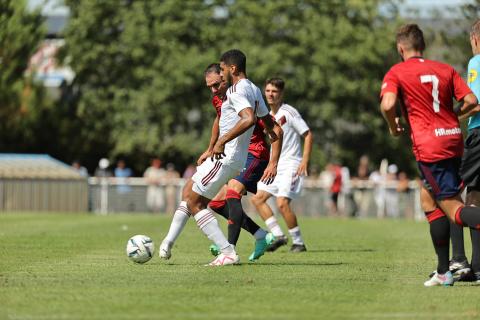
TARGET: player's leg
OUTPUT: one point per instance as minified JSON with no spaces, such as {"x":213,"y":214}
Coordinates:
{"x":259,"y":200}
{"x":210,"y":177}
{"x":473,"y":199}
{"x":440,"y":234}
{"x":179,"y":219}
{"x":289,"y":190}
{"x":470,"y":172}
{"x":298,"y":245}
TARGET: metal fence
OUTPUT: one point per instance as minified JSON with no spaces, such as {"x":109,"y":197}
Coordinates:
{"x":363,"y":199}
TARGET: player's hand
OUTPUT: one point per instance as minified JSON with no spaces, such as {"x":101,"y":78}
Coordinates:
{"x":269,"y":173}
{"x":302,"y":169}
{"x":218,"y":151}
{"x":207,"y":154}
{"x":398,"y":129}
{"x":272,"y":136}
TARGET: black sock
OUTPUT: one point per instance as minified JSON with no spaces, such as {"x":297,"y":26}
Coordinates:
{"x":456,"y":237}
{"x":469,"y":217}
{"x":440,"y":233}
{"x":220,"y":209}
{"x":248,"y":224}
{"x":475,"y":262}
{"x":235,"y":219}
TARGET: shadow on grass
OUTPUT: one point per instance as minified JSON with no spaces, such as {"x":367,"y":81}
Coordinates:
{"x":259,"y":264}
{"x":342,"y":250}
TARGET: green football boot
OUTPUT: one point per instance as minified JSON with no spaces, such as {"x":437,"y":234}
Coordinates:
{"x":260,"y":247}
{"x":214,"y":250}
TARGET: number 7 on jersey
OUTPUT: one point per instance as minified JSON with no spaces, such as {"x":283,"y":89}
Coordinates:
{"x":434,"y":80}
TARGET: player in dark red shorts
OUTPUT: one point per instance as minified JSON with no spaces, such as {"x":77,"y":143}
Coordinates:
{"x":425,"y":90}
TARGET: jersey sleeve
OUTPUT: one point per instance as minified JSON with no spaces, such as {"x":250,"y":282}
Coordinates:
{"x":299,"y":124}
{"x":262,"y":109}
{"x":473,"y":81}
{"x":460,"y":88}
{"x":389,"y":84}
{"x":240,"y":101}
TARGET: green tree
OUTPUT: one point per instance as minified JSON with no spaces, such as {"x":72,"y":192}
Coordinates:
{"x":21,"y":33}
{"x":140,"y":89}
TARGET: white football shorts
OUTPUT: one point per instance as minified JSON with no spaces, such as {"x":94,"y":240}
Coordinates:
{"x":211,"y":176}
{"x":286,"y":184}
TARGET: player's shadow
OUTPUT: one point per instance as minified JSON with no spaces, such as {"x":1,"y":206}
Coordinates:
{"x":298,"y":263}
{"x":342,"y":250}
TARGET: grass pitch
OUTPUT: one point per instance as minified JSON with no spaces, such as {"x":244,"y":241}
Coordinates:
{"x":75,"y":267}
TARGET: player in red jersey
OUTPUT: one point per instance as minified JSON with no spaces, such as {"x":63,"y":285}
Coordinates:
{"x":425,"y":90}
{"x":256,"y":169}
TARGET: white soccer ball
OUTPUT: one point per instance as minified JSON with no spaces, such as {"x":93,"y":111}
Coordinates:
{"x":140,"y":248}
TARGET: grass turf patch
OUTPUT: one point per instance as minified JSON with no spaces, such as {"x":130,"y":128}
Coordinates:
{"x":68,"y":266}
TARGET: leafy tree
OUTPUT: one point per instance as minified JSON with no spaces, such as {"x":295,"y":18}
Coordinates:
{"x":139,"y":88}
{"x":21,"y":32}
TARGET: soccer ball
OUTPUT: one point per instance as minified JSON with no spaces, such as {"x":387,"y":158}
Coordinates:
{"x":140,"y":248}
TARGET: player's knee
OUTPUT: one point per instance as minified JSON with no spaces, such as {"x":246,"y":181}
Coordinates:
{"x":283,"y":204}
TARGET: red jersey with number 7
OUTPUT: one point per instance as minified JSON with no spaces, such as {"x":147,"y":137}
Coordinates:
{"x":426,"y":89}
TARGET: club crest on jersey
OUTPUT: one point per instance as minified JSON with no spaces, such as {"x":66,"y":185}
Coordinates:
{"x":282,"y":120}
{"x":472,"y":75}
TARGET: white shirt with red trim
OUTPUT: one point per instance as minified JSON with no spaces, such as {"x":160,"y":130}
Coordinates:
{"x":243,"y":94}
{"x":294,"y":127}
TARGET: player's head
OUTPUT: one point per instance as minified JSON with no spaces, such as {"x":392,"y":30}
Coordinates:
{"x":214,"y":80}
{"x":410,"y":40}
{"x":475,"y":37}
{"x":274,"y":88}
{"x":233,"y":62}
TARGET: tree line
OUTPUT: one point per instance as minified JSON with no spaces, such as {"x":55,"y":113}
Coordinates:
{"x":139,"y":90}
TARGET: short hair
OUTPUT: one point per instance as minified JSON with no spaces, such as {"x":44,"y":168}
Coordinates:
{"x":276,"y":82}
{"x":213,"y":67}
{"x":412,"y":36}
{"x":235,"y":57}
{"x":476,"y":29}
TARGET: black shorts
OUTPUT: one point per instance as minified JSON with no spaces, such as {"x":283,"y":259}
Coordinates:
{"x":442,"y":178}
{"x":470,"y":169}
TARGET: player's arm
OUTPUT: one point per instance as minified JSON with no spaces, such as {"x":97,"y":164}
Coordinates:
{"x":213,"y":139}
{"x":273,"y":128}
{"x":307,"y":151}
{"x":247,"y":120}
{"x":387,"y":106}
{"x":468,"y":107}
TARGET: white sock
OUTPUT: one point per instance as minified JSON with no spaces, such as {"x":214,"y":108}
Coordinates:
{"x":208,"y":224}
{"x":273,"y":226}
{"x":260,"y":234}
{"x":296,"y":235}
{"x":180,"y":218}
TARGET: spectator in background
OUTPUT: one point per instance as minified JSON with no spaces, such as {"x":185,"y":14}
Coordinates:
{"x":172,"y":176}
{"x":102,"y":169}
{"x":122,"y":173}
{"x":80,"y":169}
{"x":391,"y":194}
{"x":189,"y":172}
{"x":335,"y":187}
{"x":361,"y":194}
{"x":403,"y":191}
{"x":155,"y":175}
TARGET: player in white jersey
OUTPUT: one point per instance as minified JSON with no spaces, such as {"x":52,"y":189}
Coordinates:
{"x":242,"y":105}
{"x":292,"y":167}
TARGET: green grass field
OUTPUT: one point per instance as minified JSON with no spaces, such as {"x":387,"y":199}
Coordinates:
{"x":75,"y":267}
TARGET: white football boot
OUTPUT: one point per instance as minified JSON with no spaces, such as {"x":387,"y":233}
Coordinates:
{"x":165,"y":251}
{"x":438,"y":279}
{"x":225,"y":259}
